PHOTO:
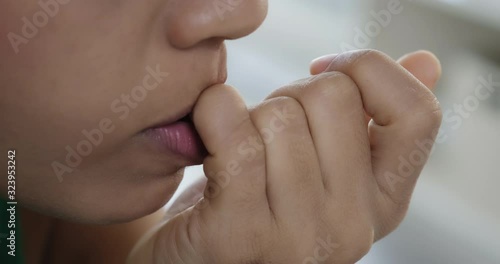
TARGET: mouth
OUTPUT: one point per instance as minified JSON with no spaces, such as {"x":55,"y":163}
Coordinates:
{"x":179,"y":138}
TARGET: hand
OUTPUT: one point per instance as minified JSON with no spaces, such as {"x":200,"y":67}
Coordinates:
{"x":302,"y":178}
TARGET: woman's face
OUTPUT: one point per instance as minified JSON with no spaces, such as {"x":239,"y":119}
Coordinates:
{"x":82,"y":79}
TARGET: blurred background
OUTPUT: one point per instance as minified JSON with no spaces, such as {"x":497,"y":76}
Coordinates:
{"x":455,"y":214}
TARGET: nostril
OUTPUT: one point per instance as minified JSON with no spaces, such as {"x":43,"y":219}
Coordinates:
{"x":191,"y":22}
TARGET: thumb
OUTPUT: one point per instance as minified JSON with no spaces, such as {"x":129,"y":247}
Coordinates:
{"x":225,"y":127}
{"x":424,"y":65}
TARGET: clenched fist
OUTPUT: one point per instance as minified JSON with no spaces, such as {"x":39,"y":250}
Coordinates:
{"x":316,"y":173}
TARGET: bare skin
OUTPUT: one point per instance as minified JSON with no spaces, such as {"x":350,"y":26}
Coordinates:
{"x":323,"y":177}
{"x":47,"y":240}
{"x":94,"y":52}
{"x":52,"y":240}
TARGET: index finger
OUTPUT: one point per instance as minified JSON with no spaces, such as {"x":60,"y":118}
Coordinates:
{"x":405,"y":115}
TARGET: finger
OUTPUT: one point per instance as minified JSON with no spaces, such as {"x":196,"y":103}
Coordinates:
{"x":405,"y":115}
{"x":294,"y":181}
{"x":236,"y":173}
{"x":320,"y":64}
{"x":424,"y":65}
{"x":334,"y":110}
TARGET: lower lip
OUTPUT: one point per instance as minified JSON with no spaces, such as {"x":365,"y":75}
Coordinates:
{"x":180,"y":138}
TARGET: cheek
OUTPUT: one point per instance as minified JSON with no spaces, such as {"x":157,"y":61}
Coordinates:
{"x":60,"y":83}
{"x":64,"y":78}
{"x":63,"y":82}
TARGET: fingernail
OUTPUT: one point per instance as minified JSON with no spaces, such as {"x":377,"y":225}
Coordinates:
{"x":323,"y":59}
{"x":320,"y":64}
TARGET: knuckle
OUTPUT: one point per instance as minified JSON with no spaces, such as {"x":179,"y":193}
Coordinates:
{"x":425,"y":116}
{"x":391,"y":219}
{"x":356,"y":244}
{"x":288,"y":103}
{"x":373,"y":54}
{"x":370,"y":55}
{"x":277,"y":113}
{"x":332,"y":85}
{"x":434,"y":112}
{"x":354,"y":233}
{"x":359,"y":58}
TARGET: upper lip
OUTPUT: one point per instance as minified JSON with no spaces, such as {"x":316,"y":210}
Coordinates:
{"x":186,"y":112}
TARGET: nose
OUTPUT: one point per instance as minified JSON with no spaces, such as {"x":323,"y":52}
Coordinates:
{"x":190,"y":22}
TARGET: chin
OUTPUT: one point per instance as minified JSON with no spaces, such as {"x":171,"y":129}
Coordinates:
{"x":112,"y":204}
{"x":139,"y":202}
